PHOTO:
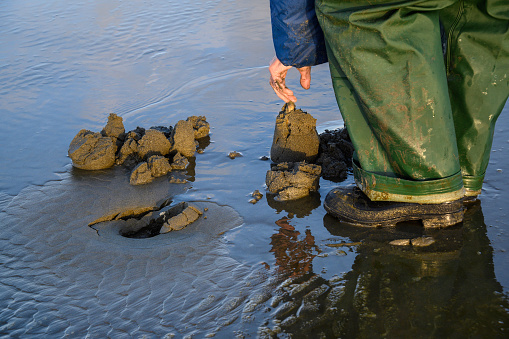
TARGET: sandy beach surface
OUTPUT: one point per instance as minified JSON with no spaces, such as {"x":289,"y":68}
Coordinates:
{"x":268,"y":269}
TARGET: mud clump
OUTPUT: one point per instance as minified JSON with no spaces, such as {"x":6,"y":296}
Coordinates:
{"x":335,"y":155}
{"x":128,"y":153}
{"x":416,"y":242}
{"x":141,"y":175}
{"x":182,"y":138}
{"x":153,"y":143}
{"x":234,"y":154}
{"x":92,"y":151}
{"x":256,"y":196}
{"x":200,"y":126}
{"x":138,"y":212}
{"x":290,"y":181}
{"x":179,"y":162}
{"x":295,"y":137}
{"x":296,"y":140}
{"x":114,"y":128}
{"x":156,"y":166}
{"x":168,"y":219}
{"x":150,"y":153}
{"x":159,"y":165}
{"x":179,"y":217}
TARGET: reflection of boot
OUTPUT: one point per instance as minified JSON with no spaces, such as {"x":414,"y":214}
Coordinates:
{"x":471,"y":197}
{"x":479,"y":307}
{"x":353,"y":206}
{"x":445,"y":290}
{"x":448,"y":239}
{"x":396,"y":291}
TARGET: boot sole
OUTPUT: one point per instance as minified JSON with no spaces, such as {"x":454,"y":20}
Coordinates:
{"x":444,"y":216}
{"x":428,"y":221}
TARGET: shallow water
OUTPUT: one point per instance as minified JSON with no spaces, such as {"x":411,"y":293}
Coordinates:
{"x":65,"y":66}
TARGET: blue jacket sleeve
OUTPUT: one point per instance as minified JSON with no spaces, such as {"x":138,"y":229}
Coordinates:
{"x":298,"y":38}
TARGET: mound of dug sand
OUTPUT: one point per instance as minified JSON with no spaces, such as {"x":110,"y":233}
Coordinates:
{"x":295,"y":136}
{"x":304,"y":155}
{"x":151,"y":153}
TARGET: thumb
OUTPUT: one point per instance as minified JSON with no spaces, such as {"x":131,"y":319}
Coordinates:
{"x":305,"y":77}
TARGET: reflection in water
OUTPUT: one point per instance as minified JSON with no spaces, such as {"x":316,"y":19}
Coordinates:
{"x":445,"y":289}
{"x":300,"y":208}
{"x":191,"y":168}
{"x":65,"y":65}
{"x":294,"y":256}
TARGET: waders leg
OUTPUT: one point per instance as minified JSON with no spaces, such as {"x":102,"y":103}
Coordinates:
{"x":477,"y":62}
{"x":389,"y":56}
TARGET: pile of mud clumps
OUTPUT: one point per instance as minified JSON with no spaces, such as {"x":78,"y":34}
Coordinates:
{"x":149,"y":153}
{"x":301,"y":156}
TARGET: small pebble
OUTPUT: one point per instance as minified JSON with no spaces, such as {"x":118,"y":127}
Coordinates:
{"x":400,"y":242}
{"x":423,"y":242}
{"x":257,"y":195}
{"x":234,"y":154}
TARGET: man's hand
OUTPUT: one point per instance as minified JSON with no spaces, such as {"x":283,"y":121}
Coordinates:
{"x":277,"y":79}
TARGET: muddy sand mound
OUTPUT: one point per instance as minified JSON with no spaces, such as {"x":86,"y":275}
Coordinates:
{"x":303,"y":155}
{"x":295,"y":137}
{"x":150,"y":153}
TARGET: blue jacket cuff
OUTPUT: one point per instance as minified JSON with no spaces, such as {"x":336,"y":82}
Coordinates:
{"x":298,"y":38}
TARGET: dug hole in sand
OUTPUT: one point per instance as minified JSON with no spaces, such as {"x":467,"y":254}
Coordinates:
{"x":150,"y":154}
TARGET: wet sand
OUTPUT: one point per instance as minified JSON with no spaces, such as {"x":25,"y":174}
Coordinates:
{"x":69,"y":65}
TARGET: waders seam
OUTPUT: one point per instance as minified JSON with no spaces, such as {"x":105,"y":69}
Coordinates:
{"x":450,"y":36}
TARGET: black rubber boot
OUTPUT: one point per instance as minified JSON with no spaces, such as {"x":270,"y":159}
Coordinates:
{"x":471,"y":197}
{"x":351,"y":205}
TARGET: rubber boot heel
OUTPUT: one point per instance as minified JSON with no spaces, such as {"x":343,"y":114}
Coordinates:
{"x":444,"y":220}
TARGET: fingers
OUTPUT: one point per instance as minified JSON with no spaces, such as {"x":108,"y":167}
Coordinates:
{"x":277,"y":80}
{"x":305,"y":77}
{"x":278,"y":85}
{"x":278,"y":73}
{"x":283,"y":92}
